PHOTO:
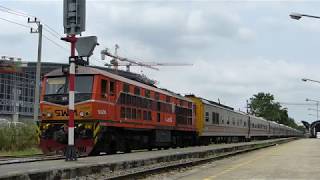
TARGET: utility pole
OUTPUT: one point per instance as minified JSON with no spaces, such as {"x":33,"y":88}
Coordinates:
{"x":38,"y":70}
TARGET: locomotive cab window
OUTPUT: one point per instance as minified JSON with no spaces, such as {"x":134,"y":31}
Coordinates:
{"x":137,"y":91}
{"x":112,"y":88}
{"x":104,"y":88}
{"x":147,"y":93}
{"x":126,"y":88}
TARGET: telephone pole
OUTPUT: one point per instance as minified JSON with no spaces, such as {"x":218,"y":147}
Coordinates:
{"x":38,"y":70}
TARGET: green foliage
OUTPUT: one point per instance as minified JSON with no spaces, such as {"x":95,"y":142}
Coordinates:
{"x":263,"y":105}
{"x":17,"y":138}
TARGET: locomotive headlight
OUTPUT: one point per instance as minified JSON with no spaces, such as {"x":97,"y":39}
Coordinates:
{"x":49,"y":115}
{"x":81,"y":114}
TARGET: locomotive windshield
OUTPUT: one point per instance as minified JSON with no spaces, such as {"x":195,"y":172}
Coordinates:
{"x":59,"y":85}
{"x":57,"y":89}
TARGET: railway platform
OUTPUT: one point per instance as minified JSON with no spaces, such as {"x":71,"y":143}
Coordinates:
{"x":297,"y":160}
{"x":60,"y":169}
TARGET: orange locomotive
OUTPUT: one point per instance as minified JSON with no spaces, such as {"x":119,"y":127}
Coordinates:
{"x":113,"y":113}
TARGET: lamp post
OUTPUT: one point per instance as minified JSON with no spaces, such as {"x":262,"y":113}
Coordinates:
{"x":317,"y":104}
{"x":298,"y":16}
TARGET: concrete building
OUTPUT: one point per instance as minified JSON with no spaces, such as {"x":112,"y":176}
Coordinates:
{"x":17,"y":87}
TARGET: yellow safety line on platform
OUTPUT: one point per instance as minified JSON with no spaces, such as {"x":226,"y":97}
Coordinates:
{"x":239,"y":165}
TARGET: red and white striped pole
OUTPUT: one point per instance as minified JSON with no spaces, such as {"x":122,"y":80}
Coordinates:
{"x":71,"y":154}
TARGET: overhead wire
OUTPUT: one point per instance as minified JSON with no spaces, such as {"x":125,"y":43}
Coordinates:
{"x":21,"y":14}
{"x":54,"y":31}
{"x":52,"y":41}
{"x":14,"y":22}
{"x":26,"y":26}
{"x":11,"y":11}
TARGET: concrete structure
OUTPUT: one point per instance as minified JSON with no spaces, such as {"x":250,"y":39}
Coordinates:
{"x":17,"y":90}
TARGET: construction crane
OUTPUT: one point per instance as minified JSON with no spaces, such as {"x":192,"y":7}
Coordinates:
{"x":130,"y":62}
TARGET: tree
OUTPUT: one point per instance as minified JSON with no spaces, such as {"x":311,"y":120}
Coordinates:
{"x":263,"y":105}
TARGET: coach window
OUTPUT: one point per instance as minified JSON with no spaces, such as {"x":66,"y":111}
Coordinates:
{"x":134,"y":100}
{"x":139,"y":114}
{"x":122,"y":112}
{"x":190,"y":105}
{"x":168,"y":99}
{"x":207,"y":116}
{"x":158,"y":106}
{"x":156,"y":96}
{"x":147,"y":93}
{"x":213,"y":117}
{"x":149,"y":115}
{"x":128,"y":99}
{"x":104,"y":88}
{"x":126,"y":88}
{"x":128,"y":113}
{"x":145,"y":115}
{"x":134,"y":113}
{"x":217,"y":118}
{"x":158,"y":117}
{"x":112,"y":88}
{"x":137,"y":91}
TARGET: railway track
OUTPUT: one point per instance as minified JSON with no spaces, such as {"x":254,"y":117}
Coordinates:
{"x":6,"y":160}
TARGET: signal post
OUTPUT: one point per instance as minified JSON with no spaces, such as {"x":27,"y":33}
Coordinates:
{"x":74,"y":23}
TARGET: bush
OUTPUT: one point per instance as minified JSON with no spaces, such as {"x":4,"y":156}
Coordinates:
{"x":17,"y":138}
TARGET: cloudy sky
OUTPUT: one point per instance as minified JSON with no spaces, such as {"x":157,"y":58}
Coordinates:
{"x":237,"y":48}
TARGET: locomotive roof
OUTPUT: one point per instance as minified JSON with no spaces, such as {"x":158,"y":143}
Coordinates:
{"x":81,"y":70}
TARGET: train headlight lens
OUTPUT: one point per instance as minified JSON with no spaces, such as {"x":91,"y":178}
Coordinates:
{"x":81,"y":114}
{"x":49,"y":115}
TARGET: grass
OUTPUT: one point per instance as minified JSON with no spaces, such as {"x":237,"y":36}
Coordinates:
{"x":18,"y":140}
{"x":25,"y":152}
